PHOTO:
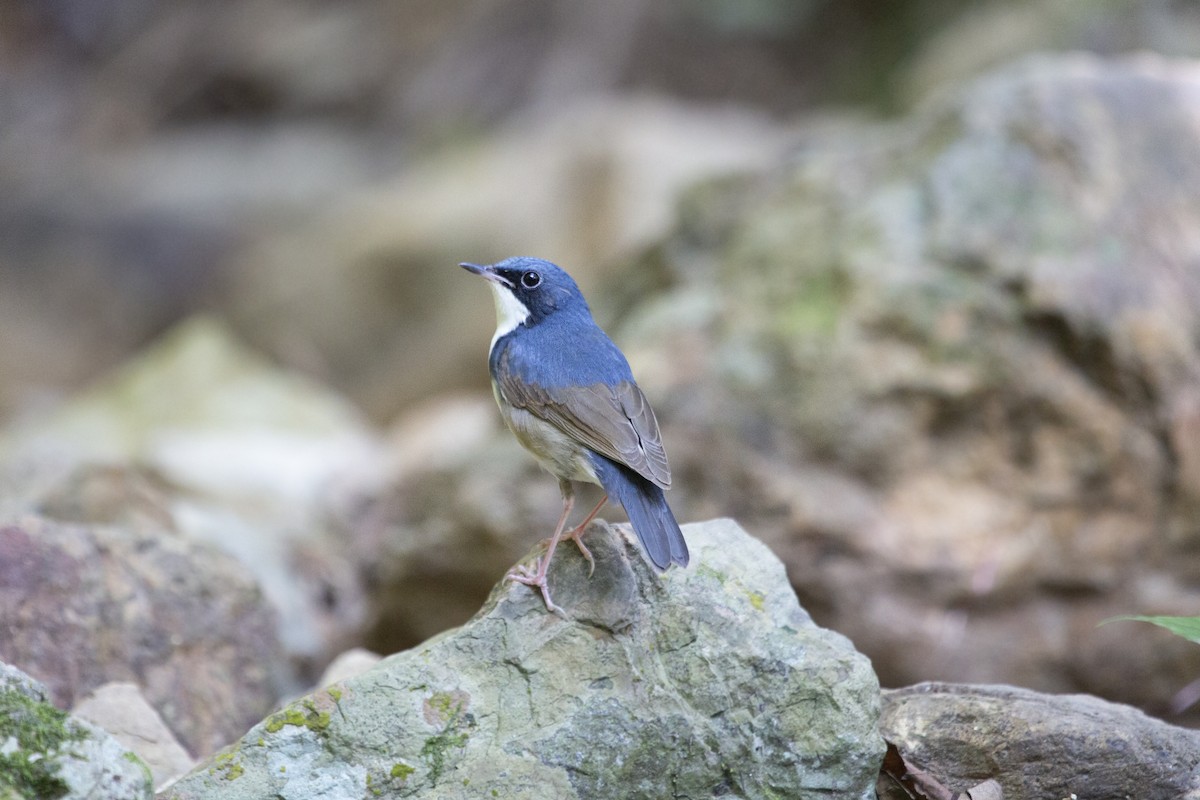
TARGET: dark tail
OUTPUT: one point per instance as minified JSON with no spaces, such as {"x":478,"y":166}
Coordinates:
{"x":648,"y":512}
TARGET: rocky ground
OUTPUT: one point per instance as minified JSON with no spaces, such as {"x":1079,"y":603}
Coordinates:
{"x":942,"y":370}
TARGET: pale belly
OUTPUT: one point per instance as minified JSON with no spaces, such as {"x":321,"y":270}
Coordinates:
{"x":558,"y":453}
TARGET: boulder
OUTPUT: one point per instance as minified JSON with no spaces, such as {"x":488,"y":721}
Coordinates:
{"x":1040,"y":745}
{"x":986,"y":36}
{"x":84,"y":605}
{"x":706,"y":681}
{"x":46,"y":753}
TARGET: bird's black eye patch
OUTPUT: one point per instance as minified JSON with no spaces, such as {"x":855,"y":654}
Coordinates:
{"x":531,"y":279}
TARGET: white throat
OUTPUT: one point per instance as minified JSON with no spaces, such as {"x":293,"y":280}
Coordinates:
{"x":510,"y":312}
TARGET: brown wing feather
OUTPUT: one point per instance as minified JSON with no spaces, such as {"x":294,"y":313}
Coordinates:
{"x":615,"y":421}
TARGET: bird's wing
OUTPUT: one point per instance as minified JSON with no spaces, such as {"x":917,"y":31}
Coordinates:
{"x":614,"y":420}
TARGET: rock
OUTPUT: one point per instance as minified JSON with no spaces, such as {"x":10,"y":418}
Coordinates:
{"x":84,"y":605}
{"x":204,"y":436}
{"x":46,"y":753}
{"x":703,"y":682}
{"x":1039,"y":745}
{"x":121,"y":710}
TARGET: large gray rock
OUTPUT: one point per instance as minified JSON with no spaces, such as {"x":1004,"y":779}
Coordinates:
{"x":707,"y":681}
{"x":46,"y":754}
{"x":1040,"y":745}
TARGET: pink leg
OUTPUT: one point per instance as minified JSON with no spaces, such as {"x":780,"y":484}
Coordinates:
{"x":576,"y":534}
{"x":537,"y":578}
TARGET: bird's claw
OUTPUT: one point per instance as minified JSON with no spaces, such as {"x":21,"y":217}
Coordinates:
{"x":535,"y":578}
{"x":521,"y":574}
{"x":577,"y":537}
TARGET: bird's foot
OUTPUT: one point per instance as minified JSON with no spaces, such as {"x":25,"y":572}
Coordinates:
{"x":535,"y":578}
{"x":576,"y":536}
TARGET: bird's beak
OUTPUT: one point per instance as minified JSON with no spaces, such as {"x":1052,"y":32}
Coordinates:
{"x":487,"y":272}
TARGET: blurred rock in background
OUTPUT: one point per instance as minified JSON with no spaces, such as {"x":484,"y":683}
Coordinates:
{"x":306,"y":168}
{"x":200,"y":438}
{"x":946,"y":365}
{"x":85,"y":605}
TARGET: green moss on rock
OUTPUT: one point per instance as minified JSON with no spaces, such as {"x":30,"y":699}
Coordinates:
{"x":757,"y":599}
{"x":434,"y":752}
{"x":446,"y":710}
{"x":228,"y":765}
{"x":306,"y":715}
{"x":40,"y":730}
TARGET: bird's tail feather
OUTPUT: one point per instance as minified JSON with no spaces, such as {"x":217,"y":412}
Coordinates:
{"x":648,"y":512}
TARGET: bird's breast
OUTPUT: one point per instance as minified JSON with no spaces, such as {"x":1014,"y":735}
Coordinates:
{"x":558,"y":453}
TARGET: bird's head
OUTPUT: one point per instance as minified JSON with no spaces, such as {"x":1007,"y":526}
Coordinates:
{"x":528,"y":290}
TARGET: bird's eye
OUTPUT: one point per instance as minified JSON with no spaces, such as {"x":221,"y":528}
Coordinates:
{"x":531,"y":280}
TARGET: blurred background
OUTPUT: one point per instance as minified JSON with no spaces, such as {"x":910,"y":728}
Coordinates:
{"x":310,"y":171}
{"x":913,"y":286}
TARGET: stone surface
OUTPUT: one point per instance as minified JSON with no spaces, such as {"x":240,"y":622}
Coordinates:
{"x":84,"y":605}
{"x":46,"y":754}
{"x":121,"y":710}
{"x":709,"y":681}
{"x":1040,"y":745}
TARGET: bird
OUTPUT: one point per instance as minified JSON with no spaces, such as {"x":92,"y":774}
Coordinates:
{"x":567,"y":394}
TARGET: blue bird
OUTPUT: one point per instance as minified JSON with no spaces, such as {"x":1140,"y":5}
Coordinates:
{"x":568,"y":395}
